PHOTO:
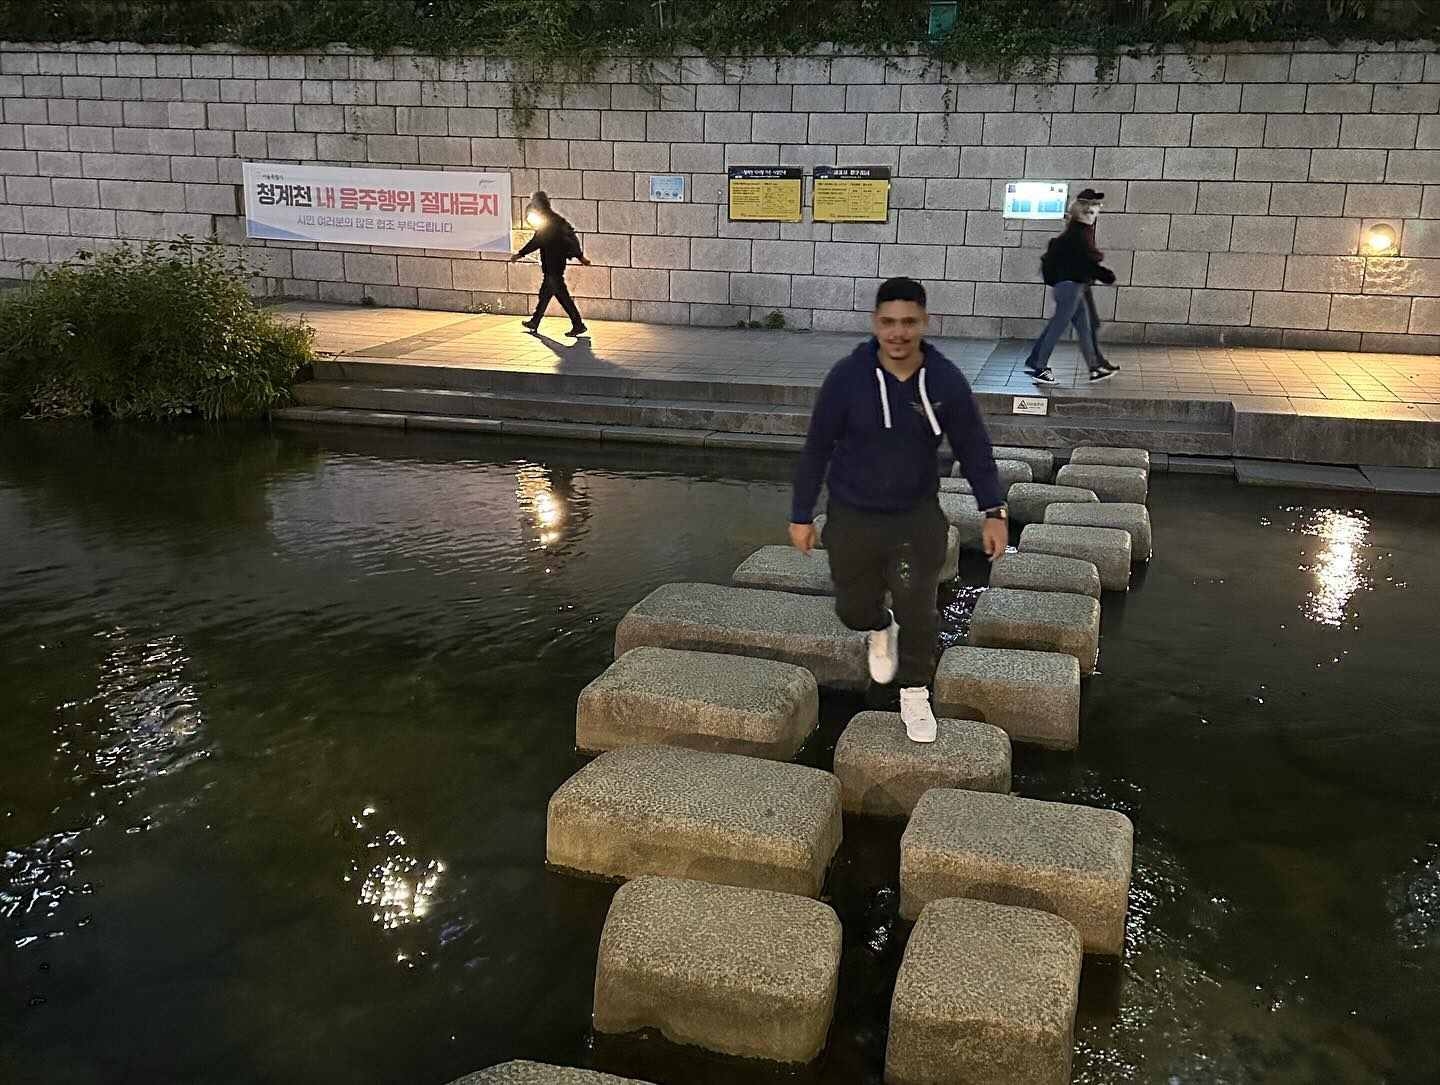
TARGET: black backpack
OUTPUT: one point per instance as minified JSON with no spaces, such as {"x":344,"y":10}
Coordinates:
{"x":570,"y":243}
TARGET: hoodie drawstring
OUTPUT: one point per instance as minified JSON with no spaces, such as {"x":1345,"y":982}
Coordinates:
{"x":929,"y":410}
{"x":884,"y":396}
{"x":924,"y":399}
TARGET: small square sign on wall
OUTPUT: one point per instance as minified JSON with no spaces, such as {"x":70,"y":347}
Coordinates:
{"x":667,"y":188}
{"x":1035,"y":199}
{"x":1030,"y":405}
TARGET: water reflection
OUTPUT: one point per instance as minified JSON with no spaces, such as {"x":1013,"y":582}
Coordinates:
{"x":396,"y":886}
{"x":1336,"y":566}
{"x":1414,"y":901}
{"x":545,"y":512}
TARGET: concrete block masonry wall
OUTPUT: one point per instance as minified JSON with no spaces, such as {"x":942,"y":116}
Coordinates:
{"x":1238,"y":183}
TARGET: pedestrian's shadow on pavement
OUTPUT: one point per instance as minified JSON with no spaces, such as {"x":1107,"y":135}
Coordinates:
{"x":577,"y":353}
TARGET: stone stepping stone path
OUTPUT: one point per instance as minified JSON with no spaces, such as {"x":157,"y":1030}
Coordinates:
{"x":703,"y":700}
{"x":1032,"y":696}
{"x":1071,"y":861}
{"x":1107,"y":483}
{"x":1046,"y":572}
{"x":949,"y":571}
{"x":1131,"y":518}
{"x":740,"y":971}
{"x":797,"y":629}
{"x":883,"y":774}
{"x":1107,"y":548}
{"x":716,"y":817}
{"x":964,"y":516}
{"x":783,"y":568}
{"x":1041,"y":462}
{"x":986,"y":994}
{"x":1038,"y":621}
{"x":539,"y":1073}
{"x":1010,"y":471}
{"x":1105,"y":456}
{"x":1029,"y":500}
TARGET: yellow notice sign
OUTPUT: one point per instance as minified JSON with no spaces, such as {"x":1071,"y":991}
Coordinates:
{"x":765,"y":193}
{"x":852,"y":193}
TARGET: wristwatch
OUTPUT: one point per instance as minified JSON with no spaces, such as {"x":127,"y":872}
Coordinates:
{"x":999,"y":512}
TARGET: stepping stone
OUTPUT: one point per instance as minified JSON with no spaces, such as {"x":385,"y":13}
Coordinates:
{"x":883,"y":773}
{"x":706,"y":701}
{"x":1106,"y":456}
{"x":1107,"y":483}
{"x":740,"y":971}
{"x":1107,"y":548}
{"x":1045,"y":572}
{"x":1029,"y":500}
{"x":1042,"y":463}
{"x":718,"y":817}
{"x":952,"y":485}
{"x":1031,"y":696}
{"x":986,"y":994}
{"x":1009,"y":470}
{"x":1071,"y":861}
{"x":965,"y":517}
{"x":783,"y":568}
{"x":1124,"y":516}
{"x":538,"y":1073}
{"x":1038,"y":621}
{"x":949,"y":571}
{"x":799,"y":629}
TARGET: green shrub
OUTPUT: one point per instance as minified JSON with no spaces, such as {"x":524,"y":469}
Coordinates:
{"x":157,"y":332}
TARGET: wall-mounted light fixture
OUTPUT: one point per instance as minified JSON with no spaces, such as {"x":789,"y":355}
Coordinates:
{"x":1380,"y":239}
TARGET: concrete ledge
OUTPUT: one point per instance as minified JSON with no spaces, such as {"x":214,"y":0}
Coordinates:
{"x":740,"y":971}
{"x":1029,"y":500}
{"x":1110,"y":456}
{"x":1107,"y":483}
{"x":1004,"y":1017}
{"x":1124,"y":516}
{"x":537,"y":1073}
{"x":1107,"y":548}
{"x":1042,"y":463}
{"x":702,"y":700}
{"x":1046,"y":572}
{"x":883,"y":773}
{"x":1070,"y":861}
{"x":1038,"y":621}
{"x":776,"y":625}
{"x":715,"y":817}
{"x":1301,"y":476}
{"x":783,"y":568}
{"x":1032,"y":696}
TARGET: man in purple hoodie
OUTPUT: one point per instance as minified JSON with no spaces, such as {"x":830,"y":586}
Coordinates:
{"x":876,"y":430}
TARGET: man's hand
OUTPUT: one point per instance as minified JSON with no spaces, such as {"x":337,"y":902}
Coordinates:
{"x":584,"y":261}
{"x":515,"y":257}
{"x":995,"y":537}
{"x":802,"y":537}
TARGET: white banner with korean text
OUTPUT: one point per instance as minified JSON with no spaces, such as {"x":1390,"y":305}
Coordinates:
{"x":418,"y":209}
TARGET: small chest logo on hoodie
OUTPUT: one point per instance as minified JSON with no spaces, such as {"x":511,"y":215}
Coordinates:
{"x":919,"y":407}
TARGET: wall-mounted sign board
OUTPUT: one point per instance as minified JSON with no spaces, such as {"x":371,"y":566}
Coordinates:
{"x":852,"y":193}
{"x":667,"y":188}
{"x":1036,"y":199}
{"x":765,"y":193}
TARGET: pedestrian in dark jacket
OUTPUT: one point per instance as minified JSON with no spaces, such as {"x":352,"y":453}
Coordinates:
{"x":1095,"y":200}
{"x":558,"y":243}
{"x":876,"y":430}
{"x":1070,"y":264}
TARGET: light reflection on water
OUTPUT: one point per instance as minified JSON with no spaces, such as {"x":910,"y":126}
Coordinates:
{"x":1338,"y":564}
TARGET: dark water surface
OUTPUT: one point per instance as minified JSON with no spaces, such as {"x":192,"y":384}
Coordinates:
{"x":281,"y":714}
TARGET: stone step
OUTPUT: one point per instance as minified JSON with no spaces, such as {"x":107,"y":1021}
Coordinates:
{"x":1186,"y":438}
{"x":883,"y":774}
{"x":1045,"y":572}
{"x":1107,"y":548}
{"x":1038,"y":621}
{"x":1124,"y":516}
{"x":1029,"y":500}
{"x":744,"y":972}
{"x":1040,"y":461}
{"x":1071,"y":861}
{"x":1129,"y":484}
{"x":701,"y":700}
{"x":949,"y":571}
{"x":1031,"y":696}
{"x":1009,"y":471}
{"x":1110,"y":456}
{"x":716,"y":817}
{"x":783,"y":568}
{"x":521,"y":1072}
{"x":1007,"y":1017}
{"x":797,"y":629}
{"x":964,"y":516}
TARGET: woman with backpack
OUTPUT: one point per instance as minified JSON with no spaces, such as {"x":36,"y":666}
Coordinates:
{"x":558,"y":243}
{"x":1070,"y":264}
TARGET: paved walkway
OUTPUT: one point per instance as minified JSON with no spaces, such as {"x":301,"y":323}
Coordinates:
{"x":671,"y":352}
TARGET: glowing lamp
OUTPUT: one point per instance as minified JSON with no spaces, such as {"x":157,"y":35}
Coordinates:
{"x":1380,"y":238}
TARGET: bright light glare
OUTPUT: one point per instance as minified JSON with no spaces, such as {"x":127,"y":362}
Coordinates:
{"x":534,"y":219}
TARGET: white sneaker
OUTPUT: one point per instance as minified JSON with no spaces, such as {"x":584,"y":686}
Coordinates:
{"x":885,"y":653}
{"x":915,"y":711}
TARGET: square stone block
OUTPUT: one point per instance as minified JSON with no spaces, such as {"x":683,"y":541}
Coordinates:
{"x":783,"y":568}
{"x":716,"y":817}
{"x":1042,"y":463}
{"x":1107,"y":483}
{"x":1031,"y":696}
{"x":1029,"y":500}
{"x":740,"y":971}
{"x":703,"y":700}
{"x":1107,"y":548}
{"x":1124,"y":516}
{"x":1070,"y":861}
{"x":1010,"y":471}
{"x":949,"y":571}
{"x":964,"y":516}
{"x":1038,"y":621}
{"x":1108,"y":456}
{"x":521,"y":1072}
{"x":1045,"y":572}
{"x":883,"y":773}
{"x":1005,"y":1016}
{"x":779,"y":625}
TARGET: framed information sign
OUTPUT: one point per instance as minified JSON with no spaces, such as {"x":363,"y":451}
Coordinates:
{"x":852,"y":193}
{"x":765,"y":193}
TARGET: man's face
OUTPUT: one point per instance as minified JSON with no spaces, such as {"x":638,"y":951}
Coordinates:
{"x":899,"y":326}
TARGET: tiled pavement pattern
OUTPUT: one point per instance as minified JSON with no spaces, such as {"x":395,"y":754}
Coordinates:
{"x":672,"y":352}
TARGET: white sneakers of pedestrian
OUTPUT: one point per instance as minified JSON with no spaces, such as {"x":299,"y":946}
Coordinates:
{"x":915,"y":711}
{"x":885,"y":653}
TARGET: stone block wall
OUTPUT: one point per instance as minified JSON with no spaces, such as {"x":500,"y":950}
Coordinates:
{"x":1239,"y":184}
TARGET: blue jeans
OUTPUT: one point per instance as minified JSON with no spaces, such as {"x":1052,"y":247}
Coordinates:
{"x":1070,"y":308}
